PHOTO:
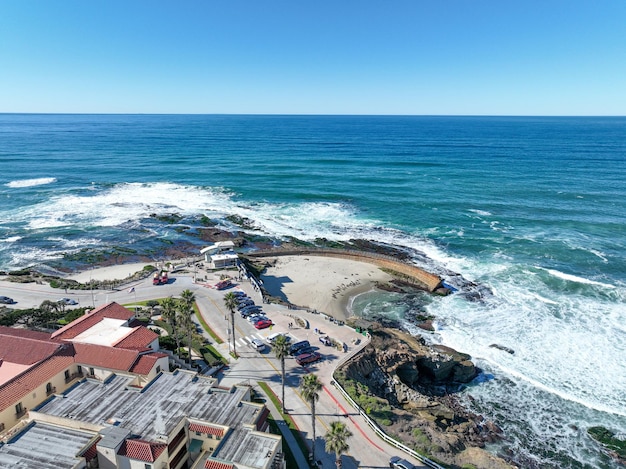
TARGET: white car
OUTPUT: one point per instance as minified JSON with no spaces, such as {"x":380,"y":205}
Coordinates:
{"x":257,"y":344}
{"x":272,"y":337}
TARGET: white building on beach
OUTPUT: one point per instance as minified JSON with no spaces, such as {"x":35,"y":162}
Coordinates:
{"x":220,"y":255}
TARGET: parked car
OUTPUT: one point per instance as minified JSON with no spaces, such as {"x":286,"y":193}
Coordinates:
{"x":257,"y":317}
{"x":244,"y":304}
{"x":262,"y":324}
{"x":298,"y":345}
{"x":326,"y":340}
{"x":308,"y":358}
{"x":303,"y":351}
{"x":398,"y":463}
{"x":272,"y":337}
{"x":257,"y":344}
{"x":239,"y":293}
{"x":250,"y":310}
{"x":68,"y":301}
{"x":7,"y":301}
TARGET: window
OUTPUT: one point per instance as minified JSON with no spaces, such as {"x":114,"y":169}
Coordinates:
{"x":92,"y":372}
{"x":158,"y":369}
{"x":148,"y":466}
{"x":80,"y":369}
{"x":67,"y":375}
{"x":19,"y":410}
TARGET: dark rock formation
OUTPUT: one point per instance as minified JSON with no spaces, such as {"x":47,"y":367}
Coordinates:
{"x":418,"y":382}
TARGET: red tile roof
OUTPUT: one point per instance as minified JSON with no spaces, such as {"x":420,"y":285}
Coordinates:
{"x":25,"y":383}
{"x":80,"y":325}
{"x":146,"y":362}
{"x":139,"y":338}
{"x":24,"y":350}
{"x":14,"y":331}
{"x":213,"y":464}
{"x":141,"y":450}
{"x":92,"y":452}
{"x":207,"y":429}
{"x":102,"y":356}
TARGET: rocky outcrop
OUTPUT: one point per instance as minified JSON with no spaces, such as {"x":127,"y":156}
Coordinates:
{"x":418,"y":382}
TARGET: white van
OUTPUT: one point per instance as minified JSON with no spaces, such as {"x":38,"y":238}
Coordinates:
{"x":272,"y":337}
{"x":257,"y":344}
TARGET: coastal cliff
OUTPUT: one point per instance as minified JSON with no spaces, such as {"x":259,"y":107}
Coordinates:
{"x":408,"y":386}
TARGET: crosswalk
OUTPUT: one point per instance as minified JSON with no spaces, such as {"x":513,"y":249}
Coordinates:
{"x":247,"y":340}
{"x":244,"y":341}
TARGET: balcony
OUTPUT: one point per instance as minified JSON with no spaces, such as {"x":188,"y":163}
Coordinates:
{"x":19,"y":414}
{"x":73,"y":376}
{"x":51,"y":391}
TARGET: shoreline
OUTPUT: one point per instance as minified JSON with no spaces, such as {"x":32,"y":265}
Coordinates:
{"x":321,"y":283}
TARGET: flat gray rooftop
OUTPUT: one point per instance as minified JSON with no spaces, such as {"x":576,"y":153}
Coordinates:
{"x":153,"y":413}
{"x":44,"y":446}
{"x":248,"y":448}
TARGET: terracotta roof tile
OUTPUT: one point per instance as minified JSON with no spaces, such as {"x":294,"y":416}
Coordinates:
{"x":92,"y":452}
{"x":102,"y":356}
{"x":206,"y":429}
{"x":139,"y":338}
{"x":25,"y":383}
{"x":24,"y":350}
{"x":213,"y":464}
{"x":80,"y":325}
{"x":14,"y":331}
{"x":146,"y":362}
{"x":141,"y":450}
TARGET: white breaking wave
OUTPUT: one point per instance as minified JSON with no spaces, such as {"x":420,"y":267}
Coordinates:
{"x":483,"y":213}
{"x":10,"y":239}
{"x":30,"y":182}
{"x":574,"y":278}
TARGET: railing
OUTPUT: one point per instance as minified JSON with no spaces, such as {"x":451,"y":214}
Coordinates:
{"x":21,"y":413}
{"x":379,"y":431}
{"x":73,"y":376}
{"x":50,"y":391}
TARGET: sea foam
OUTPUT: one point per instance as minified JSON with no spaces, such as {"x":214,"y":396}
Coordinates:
{"x":30,"y":182}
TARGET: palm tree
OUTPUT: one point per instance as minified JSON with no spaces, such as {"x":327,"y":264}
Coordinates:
{"x":230,"y":301}
{"x":168,"y":312}
{"x":281,"y":350}
{"x":310,"y":388}
{"x":186,"y":325}
{"x":336,"y":440}
{"x":186,"y":302}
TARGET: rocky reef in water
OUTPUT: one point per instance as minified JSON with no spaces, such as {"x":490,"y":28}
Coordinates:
{"x":408,"y":387}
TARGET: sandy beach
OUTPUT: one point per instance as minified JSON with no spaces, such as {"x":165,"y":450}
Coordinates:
{"x":113,"y":272}
{"x":323,"y":283}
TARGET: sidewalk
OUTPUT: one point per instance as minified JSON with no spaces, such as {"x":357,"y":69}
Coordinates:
{"x":288,"y":437}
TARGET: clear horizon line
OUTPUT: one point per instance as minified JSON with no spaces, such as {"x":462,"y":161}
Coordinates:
{"x":298,"y":114}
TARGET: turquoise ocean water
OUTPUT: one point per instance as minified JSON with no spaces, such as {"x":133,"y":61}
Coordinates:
{"x":532,"y":208}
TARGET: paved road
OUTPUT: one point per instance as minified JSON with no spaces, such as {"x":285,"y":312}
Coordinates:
{"x":367,"y":450}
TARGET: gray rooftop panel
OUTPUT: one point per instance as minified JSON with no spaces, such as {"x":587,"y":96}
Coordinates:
{"x":44,"y":446}
{"x":157,"y":409}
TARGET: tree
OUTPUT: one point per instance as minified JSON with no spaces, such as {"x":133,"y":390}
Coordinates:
{"x":230,"y":301}
{"x":186,"y":325}
{"x":168,"y":312}
{"x":336,"y":440}
{"x":310,"y":388}
{"x":281,"y":350}
{"x":186,"y":302}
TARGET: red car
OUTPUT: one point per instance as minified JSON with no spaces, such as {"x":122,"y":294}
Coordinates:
{"x":263,"y":323}
{"x":308,"y":358}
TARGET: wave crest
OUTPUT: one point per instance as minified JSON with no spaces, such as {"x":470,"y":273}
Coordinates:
{"x":20,"y":183}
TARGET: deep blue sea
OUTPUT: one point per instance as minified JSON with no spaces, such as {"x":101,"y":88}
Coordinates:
{"x":534,"y":208}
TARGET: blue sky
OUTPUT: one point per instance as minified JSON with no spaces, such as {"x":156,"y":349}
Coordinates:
{"x":500,"y":57}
